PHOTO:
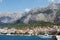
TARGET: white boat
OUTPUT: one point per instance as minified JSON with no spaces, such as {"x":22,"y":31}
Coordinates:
{"x":46,"y":35}
{"x":8,"y":34}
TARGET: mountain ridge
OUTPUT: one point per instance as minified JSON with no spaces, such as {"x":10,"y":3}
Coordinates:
{"x":51,"y":13}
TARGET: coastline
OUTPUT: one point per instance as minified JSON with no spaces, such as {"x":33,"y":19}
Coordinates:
{"x":54,"y":37}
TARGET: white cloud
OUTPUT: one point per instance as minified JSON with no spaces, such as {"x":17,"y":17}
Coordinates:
{"x":51,"y":0}
{"x":27,"y":10}
{"x":56,"y":1}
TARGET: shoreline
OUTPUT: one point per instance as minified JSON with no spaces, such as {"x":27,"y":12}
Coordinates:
{"x":55,"y":37}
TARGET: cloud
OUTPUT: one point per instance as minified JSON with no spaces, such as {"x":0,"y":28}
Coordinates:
{"x":27,"y":10}
{"x":51,"y":0}
{"x":55,"y":1}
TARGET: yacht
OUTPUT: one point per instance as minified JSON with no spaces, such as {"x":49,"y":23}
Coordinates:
{"x":8,"y":34}
{"x":46,"y":35}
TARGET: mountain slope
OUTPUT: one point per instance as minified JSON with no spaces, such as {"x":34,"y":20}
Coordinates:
{"x":51,"y":13}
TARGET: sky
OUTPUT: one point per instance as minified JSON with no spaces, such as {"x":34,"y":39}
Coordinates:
{"x":20,"y":5}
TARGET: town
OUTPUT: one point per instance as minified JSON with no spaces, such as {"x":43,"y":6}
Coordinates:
{"x":54,"y":30}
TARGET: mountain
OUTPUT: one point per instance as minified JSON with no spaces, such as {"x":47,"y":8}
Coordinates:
{"x":50,"y":13}
{"x":8,"y":17}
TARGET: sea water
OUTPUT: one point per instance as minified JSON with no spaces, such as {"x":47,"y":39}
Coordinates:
{"x":10,"y":37}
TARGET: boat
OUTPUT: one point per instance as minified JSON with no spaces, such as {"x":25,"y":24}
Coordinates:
{"x":46,"y":35}
{"x":8,"y":34}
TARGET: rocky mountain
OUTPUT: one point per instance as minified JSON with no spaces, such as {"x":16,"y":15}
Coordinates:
{"x":50,"y":13}
{"x":8,"y":17}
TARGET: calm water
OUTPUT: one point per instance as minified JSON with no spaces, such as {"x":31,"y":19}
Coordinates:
{"x":7,"y":37}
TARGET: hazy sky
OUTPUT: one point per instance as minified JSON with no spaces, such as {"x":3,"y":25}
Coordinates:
{"x":18,"y":5}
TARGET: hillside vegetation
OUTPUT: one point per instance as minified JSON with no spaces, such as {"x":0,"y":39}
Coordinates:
{"x":33,"y":24}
